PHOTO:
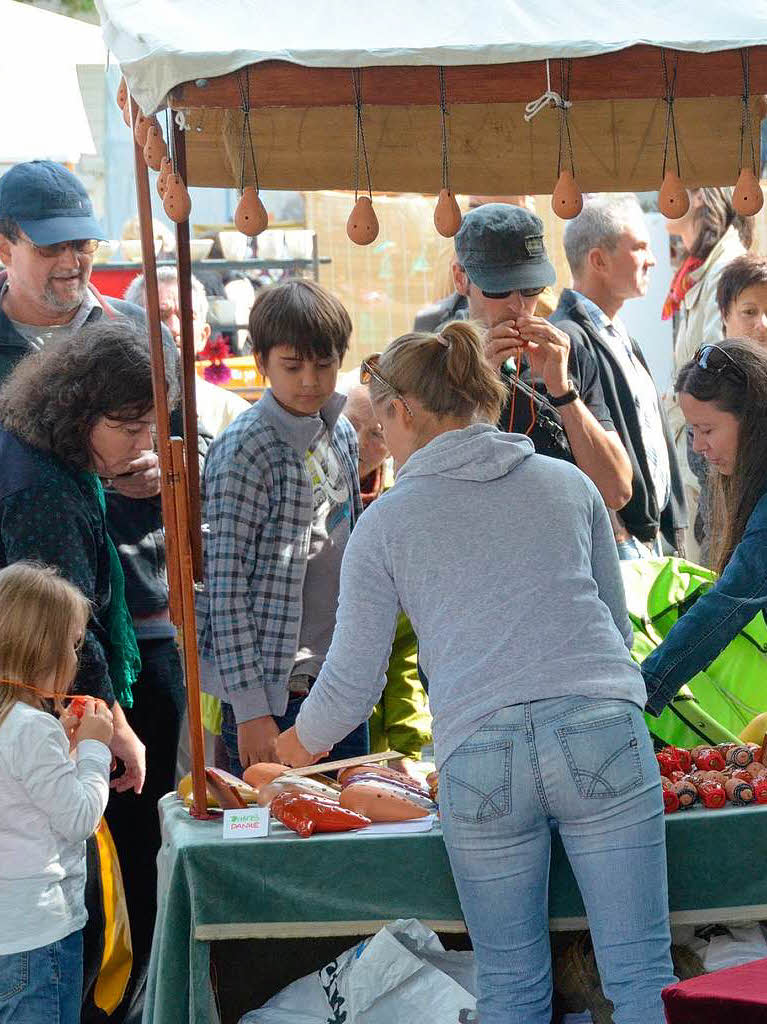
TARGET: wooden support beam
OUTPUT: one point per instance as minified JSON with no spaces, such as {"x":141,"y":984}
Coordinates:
{"x":154,"y":328}
{"x":633,"y":73}
{"x":183,"y":466}
{"x":188,"y":371}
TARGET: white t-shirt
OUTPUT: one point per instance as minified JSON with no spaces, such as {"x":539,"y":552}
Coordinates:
{"x":49,"y":804}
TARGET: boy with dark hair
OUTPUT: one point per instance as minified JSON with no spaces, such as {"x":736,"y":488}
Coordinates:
{"x":280,"y":496}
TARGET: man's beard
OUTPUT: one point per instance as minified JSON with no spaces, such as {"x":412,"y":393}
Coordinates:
{"x":62,"y":305}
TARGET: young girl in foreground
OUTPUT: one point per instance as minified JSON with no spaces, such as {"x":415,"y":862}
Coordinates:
{"x":505,"y":562}
{"x":50,"y":802}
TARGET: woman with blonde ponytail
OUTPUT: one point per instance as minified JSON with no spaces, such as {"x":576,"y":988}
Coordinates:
{"x":505,"y":563}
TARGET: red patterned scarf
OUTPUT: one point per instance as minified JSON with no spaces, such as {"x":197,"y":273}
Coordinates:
{"x":680,"y":286}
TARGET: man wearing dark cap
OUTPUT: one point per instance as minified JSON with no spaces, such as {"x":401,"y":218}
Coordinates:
{"x":501,"y":267}
{"x":48,"y":237}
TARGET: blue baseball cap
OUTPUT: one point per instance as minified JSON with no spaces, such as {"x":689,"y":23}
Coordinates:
{"x":48,"y":203}
{"x":501,"y":248}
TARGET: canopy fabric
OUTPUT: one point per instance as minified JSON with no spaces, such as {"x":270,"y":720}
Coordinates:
{"x":162,"y":43}
{"x":42,"y":114}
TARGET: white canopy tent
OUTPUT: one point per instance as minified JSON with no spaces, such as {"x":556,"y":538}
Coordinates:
{"x":162,"y":43}
{"x":496,"y":55}
{"x":42,"y":114}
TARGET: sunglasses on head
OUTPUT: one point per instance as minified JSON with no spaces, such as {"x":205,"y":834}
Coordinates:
{"x":369,"y":371}
{"x":527,"y":293}
{"x":85,"y":246}
{"x":716,"y":359}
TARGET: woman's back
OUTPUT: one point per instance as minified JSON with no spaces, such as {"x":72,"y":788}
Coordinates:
{"x":505,"y":563}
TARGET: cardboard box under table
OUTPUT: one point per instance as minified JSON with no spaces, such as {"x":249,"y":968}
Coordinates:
{"x":286,"y":888}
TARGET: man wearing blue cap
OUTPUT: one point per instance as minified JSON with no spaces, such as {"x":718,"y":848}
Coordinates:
{"x":48,"y":237}
{"x":501,"y":267}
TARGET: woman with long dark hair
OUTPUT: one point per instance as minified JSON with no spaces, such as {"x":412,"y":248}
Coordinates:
{"x":723,"y":394}
{"x":712,"y":235}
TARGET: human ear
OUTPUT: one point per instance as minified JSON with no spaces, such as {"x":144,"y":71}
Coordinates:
{"x":261,"y":364}
{"x":460,"y":278}
{"x":596,"y":260}
{"x":5,"y":250}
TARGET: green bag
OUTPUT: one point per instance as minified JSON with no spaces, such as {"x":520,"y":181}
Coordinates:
{"x":716,"y":704}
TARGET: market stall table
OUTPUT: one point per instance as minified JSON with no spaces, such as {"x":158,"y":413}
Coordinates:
{"x":284,"y":887}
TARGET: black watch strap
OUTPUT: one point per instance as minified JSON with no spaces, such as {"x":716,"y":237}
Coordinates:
{"x":571,"y":395}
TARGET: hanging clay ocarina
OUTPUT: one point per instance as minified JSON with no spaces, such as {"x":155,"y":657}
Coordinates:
{"x":362,"y":225}
{"x":122,"y":94}
{"x":673,"y":200}
{"x":155,"y":148}
{"x":747,"y":198}
{"x":141,"y":127}
{"x":176,"y":201}
{"x":166,"y":167}
{"x":250,"y":217}
{"x":447,"y":214}
{"x":567,"y":201}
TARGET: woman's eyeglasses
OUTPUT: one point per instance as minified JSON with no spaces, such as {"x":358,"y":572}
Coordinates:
{"x":716,"y":359}
{"x":369,"y":371}
{"x":85,"y":246}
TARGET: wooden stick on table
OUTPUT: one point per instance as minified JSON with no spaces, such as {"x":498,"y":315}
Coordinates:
{"x":346,"y":762}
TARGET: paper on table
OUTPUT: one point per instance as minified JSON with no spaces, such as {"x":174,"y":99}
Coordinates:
{"x":395,"y":828}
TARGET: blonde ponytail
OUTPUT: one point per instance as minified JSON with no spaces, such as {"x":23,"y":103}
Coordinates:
{"x":446,"y":372}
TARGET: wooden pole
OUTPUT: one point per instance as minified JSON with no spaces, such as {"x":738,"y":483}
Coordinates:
{"x":188,"y":371}
{"x":182,"y":473}
{"x":162,"y":412}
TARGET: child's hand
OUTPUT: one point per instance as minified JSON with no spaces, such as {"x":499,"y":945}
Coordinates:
{"x":95,"y":723}
{"x":69,"y":723}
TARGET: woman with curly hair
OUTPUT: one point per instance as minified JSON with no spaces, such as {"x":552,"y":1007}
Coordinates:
{"x":74,"y":414}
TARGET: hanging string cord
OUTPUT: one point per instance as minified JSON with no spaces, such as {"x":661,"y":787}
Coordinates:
{"x":565,"y":69}
{"x":360,"y":145}
{"x":41,"y":693}
{"x":169,"y":137}
{"x":243,"y":81}
{"x":670,"y":87}
{"x":546,"y":99}
{"x":745,"y":120}
{"x":443,"y":117}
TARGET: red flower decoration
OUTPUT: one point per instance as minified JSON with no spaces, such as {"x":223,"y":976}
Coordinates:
{"x":216,"y":351}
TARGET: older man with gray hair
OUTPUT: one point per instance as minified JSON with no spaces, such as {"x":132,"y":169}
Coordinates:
{"x":608,"y":248}
{"x":216,"y":407}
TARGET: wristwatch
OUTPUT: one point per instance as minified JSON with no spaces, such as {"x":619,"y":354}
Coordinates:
{"x":569,"y":396}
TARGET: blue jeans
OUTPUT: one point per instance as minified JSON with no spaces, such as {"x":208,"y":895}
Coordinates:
{"x":586,"y":767}
{"x":44,"y":984}
{"x":632,"y":549}
{"x":356,"y":743}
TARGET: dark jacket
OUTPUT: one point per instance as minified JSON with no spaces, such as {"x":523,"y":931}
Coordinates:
{"x":641,"y":516}
{"x":454,"y":307}
{"x":49,"y":514}
{"x":715,"y":619}
{"x":135,"y":525}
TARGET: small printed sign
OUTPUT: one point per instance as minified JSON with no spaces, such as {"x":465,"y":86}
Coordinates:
{"x":248,"y":823}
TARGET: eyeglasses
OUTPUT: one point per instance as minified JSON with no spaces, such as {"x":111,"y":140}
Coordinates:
{"x":527,"y":293}
{"x":716,"y":359}
{"x":369,"y":371}
{"x":83,"y":246}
